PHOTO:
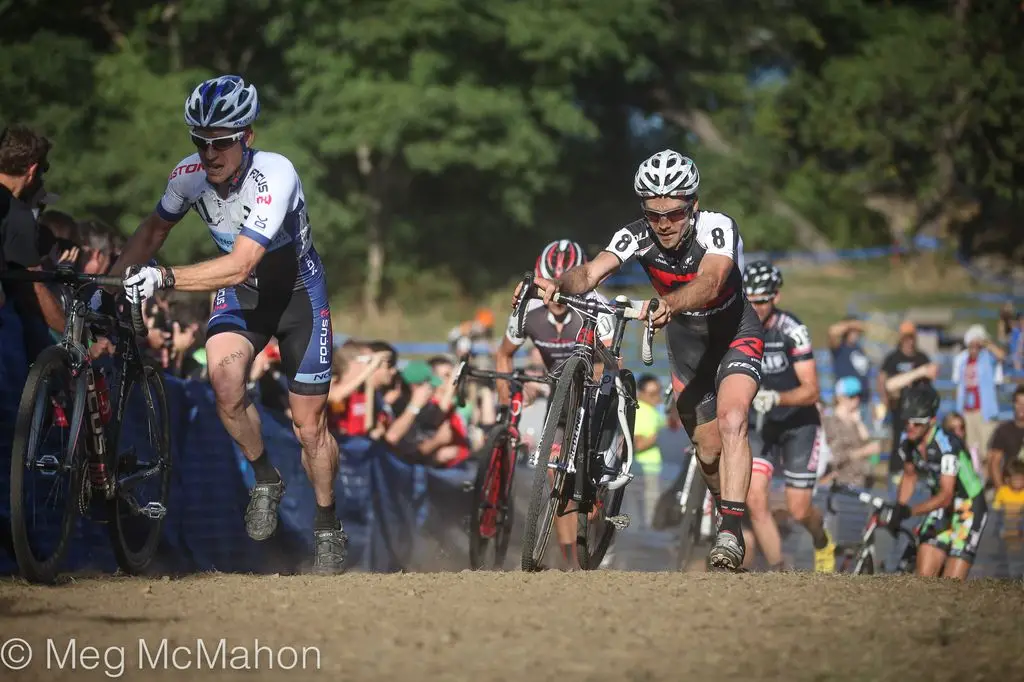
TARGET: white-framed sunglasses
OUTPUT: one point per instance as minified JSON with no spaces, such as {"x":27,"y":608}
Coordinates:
{"x":219,"y":143}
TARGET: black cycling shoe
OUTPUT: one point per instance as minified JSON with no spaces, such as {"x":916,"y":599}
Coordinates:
{"x":727,"y":553}
{"x":261,"y":514}
{"x":330,"y":550}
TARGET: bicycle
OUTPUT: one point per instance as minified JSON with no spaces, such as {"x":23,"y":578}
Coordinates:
{"x":65,"y":391}
{"x":490,"y":521}
{"x":860,"y":558}
{"x":698,"y":513}
{"x":578,"y":470}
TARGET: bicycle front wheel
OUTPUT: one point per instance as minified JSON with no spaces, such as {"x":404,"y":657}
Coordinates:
{"x":550,"y":493}
{"x":141,"y":470}
{"x":47,"y":476}
{"x":490,"y":520}
{"x":693,"y":515}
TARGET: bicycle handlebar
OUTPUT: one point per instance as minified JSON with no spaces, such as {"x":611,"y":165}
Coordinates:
{"x":624,"y":310}
{"x":69,"y":277}
{"x":849,"y":491}
{"x":466,"y":371}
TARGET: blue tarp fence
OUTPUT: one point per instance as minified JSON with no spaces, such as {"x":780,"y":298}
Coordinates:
{"x":382,"y":501}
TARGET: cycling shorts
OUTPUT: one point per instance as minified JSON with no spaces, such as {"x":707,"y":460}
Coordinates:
{"x":702,"y":351}
{"x":797,"y":448}
{"x":300,"y":319}
{"x":956,"y":530}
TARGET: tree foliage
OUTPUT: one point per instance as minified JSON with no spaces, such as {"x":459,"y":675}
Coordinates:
{"x":441,"y":143}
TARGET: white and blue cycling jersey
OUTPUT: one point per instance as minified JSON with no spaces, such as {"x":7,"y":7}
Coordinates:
{"x":286,"y":296}
{"x":266,"y":205}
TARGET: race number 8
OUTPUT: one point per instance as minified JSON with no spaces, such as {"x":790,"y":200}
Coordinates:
{"x":718,"y":237}
{"x":623,"y":242}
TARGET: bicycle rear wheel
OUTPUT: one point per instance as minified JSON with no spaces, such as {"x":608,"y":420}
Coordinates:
{"x":46,"y":476}
{"x":545,"y":501}
{"x":490,"y":521}
{"x":141,"y":469}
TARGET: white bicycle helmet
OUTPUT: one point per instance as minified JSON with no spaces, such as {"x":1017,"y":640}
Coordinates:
{"x":222,"y":102}
{"x":666,"y":174}
{"x":557,"y":257}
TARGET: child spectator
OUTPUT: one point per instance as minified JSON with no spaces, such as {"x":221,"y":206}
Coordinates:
{"x":1010,"y":502}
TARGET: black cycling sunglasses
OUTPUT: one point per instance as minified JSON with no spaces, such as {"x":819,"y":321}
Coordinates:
{"x":221,"y":144}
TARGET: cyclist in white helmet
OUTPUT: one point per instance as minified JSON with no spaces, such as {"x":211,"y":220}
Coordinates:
{"x":715,"y":340}
{"x":552,"y":328}
{"x":269,"y":282}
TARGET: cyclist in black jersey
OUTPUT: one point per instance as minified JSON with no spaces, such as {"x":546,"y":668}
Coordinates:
{"x":789,"y":432}
{"x":714,"y":338}
{"x":552,"y":328}
{"x":956,"y":513}
{"x":269,"y":282}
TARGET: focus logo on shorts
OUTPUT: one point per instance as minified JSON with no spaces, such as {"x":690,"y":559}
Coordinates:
{"x":220,"y":301}
{"x":325,"y":341}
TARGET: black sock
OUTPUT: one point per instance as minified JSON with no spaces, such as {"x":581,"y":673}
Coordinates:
{"x":325,"y":518}
{"x":264,"y":470}
{"x":732,"y":514}
{"x":717,"y":497}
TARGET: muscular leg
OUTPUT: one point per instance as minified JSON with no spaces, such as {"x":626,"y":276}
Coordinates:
{"x":761,"y":520}
{"x":319,"y":448}
{"x":798,"y":501}
{"x":956,"y":568}
{"x":929,"y":561}
{"x":230,"y":355}
{"x":735,"y":394}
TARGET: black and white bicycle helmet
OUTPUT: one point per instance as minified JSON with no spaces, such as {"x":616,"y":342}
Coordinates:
{"x":666,"y":174}
{"x":761,"y":279}
{"x":222,"y":102}
{"x":559,"y":256}
{"x":919,"y":402}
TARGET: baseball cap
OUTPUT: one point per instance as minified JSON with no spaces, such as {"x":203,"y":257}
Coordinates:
{"x":848,"y":387}
{"x":907,"y":328}
{"x":418,"y":372}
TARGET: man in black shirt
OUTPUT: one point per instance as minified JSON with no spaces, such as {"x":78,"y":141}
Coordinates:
{"x":22,"y":165}
{"x":904,"y":367}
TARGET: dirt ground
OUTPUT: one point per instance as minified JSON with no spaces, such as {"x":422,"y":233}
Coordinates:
{"x":596,"y":626}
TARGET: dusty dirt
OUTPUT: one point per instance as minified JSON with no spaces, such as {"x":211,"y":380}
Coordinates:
{"x":510,"y":626}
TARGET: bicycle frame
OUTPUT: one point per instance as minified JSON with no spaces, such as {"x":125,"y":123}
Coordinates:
{"x":85,"y":404}
{"x":866,"y":547}
{"x":587,"y":433}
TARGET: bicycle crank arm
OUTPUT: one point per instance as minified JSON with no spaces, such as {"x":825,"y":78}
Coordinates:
{"x":130,"y":482}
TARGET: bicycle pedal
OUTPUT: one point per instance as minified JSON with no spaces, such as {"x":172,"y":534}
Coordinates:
{"x":153,"y":510}
{"x":621,"y":522}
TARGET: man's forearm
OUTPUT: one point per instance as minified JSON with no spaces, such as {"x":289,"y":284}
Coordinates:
{"x":695,"y":295}
{"x":575,"y":280}
{"x":223,"y":271}
{"x":801,"y":396}
{"x":503,"y":363}
{"x":49,"y":307}
{"x":141,"y":247}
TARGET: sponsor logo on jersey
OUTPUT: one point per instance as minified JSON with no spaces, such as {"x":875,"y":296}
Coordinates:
{"x":261,"y":222}
{"x":325,"y":340}
{"x":264,"y":199}
{"x":220,"y":301}
{"x":185,"y":169}
{"x":326,"y":374}
{"x":260,"y":179}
